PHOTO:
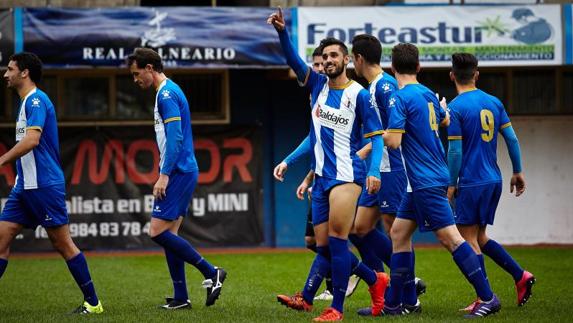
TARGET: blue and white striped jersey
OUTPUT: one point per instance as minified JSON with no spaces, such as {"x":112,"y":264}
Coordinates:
{"x":41,"y":166}
{"x":173,"y":129}
{"x":339,"y":116}
{"x":381,"y":89}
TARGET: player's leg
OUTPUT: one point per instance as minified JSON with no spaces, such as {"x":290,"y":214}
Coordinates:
{"x":363,"y":233}
{"x":176,"y":266}
{"x":12,"y":221}
{"x":524,"y":280}
{"x":401,"y":265}
{"x":165,"y":213}
{"x":8,"y":231}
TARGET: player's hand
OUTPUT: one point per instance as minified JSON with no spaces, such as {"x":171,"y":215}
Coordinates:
{"x":277,"y":20}
{"x":372,"y":184}
{"x":452,"y":192}
{"x":160,"y":188}
{"x":517,"y":183}
{"x":301,"y":189}
{"x":443,"y":103}
{"x":280,"y":171}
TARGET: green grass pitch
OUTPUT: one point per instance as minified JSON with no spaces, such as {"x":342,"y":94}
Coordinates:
{"x":131,"y":288}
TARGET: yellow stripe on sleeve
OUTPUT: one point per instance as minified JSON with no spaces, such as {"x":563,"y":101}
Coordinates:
{"x":35,"y":128}
{"x":454,"y":137}
{"x":172,"y":119}
{"x":373,"y":133}
{"x":503,"y":126}
{"x":396,"y":130}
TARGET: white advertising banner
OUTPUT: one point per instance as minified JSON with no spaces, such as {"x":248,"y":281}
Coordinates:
{"x":497,"y":35}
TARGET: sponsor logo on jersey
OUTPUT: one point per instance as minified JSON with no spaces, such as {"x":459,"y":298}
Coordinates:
{"x":336,"y":119}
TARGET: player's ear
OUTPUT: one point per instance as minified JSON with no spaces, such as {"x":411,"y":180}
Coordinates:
{"x":149,"y":68}
{"x":346,"y":59}
{"x":452,"y":78}
{"x":25,"y":73}
{"x":476,"y":76}
{"x":418,"y":68}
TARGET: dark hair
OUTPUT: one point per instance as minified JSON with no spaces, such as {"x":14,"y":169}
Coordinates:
{"x":333,"y":41}
{"x":405,"y":59}
{"x":464,"y":67}
{"x":144,"y":56}
{"x":368,"y":47}
{"x":31,"y":62}
{"x":317,"y":52}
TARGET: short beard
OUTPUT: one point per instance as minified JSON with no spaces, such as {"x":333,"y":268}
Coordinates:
{"x":336,"y":73}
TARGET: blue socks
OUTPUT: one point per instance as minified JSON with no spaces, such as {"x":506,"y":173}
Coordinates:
{"x":318,"y":271}
{"x":176,"y":267}
{"x":468,"y":262}
{"x":367,"y":253}
{"x":410,"y":297}
{"x":362,"y":271}
{"x":183,"y":249}
{"x":482,"y":264}
{"x":399,"y":273}
{"x":3,"y":264}
{"x":340,"y":267}
{"x":79,"y":269}
{"x":381,"y":244}
{"x":496,"y":252}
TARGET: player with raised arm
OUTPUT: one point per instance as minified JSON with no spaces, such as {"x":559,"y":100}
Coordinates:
{"x":177,"y":179}
{"x":475,"y":178}
{"x":38,"y":197}
{"x":340,"y":108}
{"x":415,"y":118}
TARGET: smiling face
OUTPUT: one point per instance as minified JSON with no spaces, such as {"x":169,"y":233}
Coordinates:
{"x":334,"y":61}
{"x":142,"y":76}
{"x":14,"y":76}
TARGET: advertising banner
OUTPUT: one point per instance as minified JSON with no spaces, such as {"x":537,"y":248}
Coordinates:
{"x":6,"y":36}
{"x":497,"y":35}
{"x":110,"y":173}
{"x":183,"y":36}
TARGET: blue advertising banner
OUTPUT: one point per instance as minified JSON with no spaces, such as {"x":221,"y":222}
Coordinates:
{"x":183,"y":36}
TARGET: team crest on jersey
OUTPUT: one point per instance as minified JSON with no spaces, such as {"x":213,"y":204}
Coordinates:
{"x":166,"y":94}
{"x":35,"y":102}
{"x":392,"y":102}
{"x":386,"y":87}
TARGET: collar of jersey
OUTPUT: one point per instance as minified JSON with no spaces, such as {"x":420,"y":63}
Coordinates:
{"x":32,"y":91}
{"x":162,"y":84}
{"x":410,"y":83}
{"x":379,"y":75}
{"x":466,"y":91}
{"x":342,"y":87}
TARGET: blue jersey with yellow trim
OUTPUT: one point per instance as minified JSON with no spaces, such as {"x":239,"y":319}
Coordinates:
{"x":476,"y":119}
{"x":338,"y":117}
{"x":37,"y":112}
{"x":171,"y":106}
{"x":416,"y":112}
{"x":381,"y":90}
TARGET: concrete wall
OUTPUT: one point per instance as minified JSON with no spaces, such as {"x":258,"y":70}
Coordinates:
{"x":544,"y":214}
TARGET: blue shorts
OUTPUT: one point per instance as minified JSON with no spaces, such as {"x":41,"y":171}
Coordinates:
{"x":477,"y":204}
{"x":428,"y":207}
{"x":41,"y":206}
{"x":177,"y":196}
{"x":392,"y":190}
{"x":320,"y":198}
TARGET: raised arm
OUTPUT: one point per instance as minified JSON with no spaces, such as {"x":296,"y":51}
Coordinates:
{"x":293,"y":60}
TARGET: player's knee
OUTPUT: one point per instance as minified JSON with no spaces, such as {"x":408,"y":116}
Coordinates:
{"x":65,"y":247}
{"x":308,"y":240}
{"x":482,"y":239}
{"x":362,"y":229}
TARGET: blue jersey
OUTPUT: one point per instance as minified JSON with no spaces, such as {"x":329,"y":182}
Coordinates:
{"x":338,"y":117}
{"x":41,"y":166}
{"x":476,"y":119}
{"x":173,"y":129}
{"x":416,"y":112}
{"x":381,"y":90}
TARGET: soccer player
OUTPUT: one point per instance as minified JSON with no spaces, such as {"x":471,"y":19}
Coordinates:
{"x":415,"y":117}
{"x":340,"y":107}
{"x":280,"y":170}
{"x":38,"y":197}
{"x":374,"y":246}
{"x":477,"y":119}
{"x":177,"y":179}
